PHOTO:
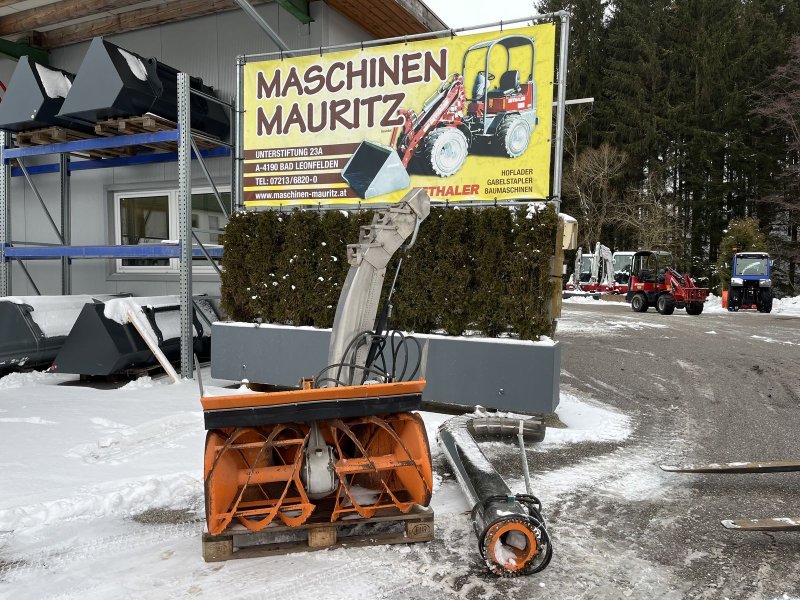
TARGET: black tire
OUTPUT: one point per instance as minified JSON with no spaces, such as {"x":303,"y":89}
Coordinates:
{"x":665,"y":304}
{"x":734,"y":301}
{"x":639,"y":303}
{"x":513,"y":136}
{"x":445,"y":151}
{"x":765,"y":301}
{"x":695,"y":308}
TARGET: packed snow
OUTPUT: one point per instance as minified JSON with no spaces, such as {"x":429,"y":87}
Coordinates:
{"x":135,"y":64}
{"x":789,"y":305}
{"x":55,"y":315}
{"x":56,"y":84}
{"x":103,"y":497}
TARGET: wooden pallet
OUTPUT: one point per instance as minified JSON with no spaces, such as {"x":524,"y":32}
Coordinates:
{"x":148,"y":123}
{"x":388,"y":528}
{"x":57,"y":135}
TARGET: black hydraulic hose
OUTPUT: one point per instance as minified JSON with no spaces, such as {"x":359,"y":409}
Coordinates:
{"x":512,"y":534}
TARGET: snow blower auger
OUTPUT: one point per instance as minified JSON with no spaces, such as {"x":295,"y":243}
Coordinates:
{"x":345,"y":444}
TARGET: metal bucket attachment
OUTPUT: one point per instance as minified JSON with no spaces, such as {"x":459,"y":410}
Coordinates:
{"x":33,"y":328}
{"x":374,"y":170}
{"x":102,"y":343}
{"x":34,"y":97}
{"x":113,"y":82}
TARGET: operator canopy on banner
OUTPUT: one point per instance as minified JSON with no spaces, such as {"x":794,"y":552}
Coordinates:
{"x":348,"y":113}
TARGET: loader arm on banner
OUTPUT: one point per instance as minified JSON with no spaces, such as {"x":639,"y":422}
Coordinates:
{"x":448,"y":98}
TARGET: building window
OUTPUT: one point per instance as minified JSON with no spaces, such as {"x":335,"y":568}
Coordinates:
{"x":144,"y":220}
{"x":152,"y":218}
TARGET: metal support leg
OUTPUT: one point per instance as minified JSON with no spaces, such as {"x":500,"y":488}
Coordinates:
{"x":237,"y":193}
{"x":5,"y":234}
{"x":66,"y":226}
{"x":558,"y":162}
{"x":185,"y":223}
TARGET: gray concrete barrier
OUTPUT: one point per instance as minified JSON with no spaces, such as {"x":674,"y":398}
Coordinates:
{"x":505,"y":374}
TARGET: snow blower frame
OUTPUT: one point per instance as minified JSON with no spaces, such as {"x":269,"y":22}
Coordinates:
{"x":345,"y":434}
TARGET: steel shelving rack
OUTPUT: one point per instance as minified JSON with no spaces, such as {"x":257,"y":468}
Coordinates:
{"x":189,"y":245}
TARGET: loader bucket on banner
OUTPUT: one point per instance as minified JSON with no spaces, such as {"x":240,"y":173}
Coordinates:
{"x":374,"y":170}
{"x":34,"y":97}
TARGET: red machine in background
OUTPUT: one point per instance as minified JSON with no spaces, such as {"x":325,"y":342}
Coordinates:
{"x":654,"y":282}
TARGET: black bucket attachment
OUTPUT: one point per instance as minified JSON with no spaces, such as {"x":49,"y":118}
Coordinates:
{"x":113,"y":82}
{"x":33,"y":328}
{"x":98,"y":345}
{"x":374,"y":170}
{"x":34,"y":98}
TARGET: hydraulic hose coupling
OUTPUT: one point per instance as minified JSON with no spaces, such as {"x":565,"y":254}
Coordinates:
{"x":512,"y":535}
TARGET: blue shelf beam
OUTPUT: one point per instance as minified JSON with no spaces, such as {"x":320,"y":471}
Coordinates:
{"x":117,"y":141}
{"x":122,"y":161}
{"x":129,"y":251}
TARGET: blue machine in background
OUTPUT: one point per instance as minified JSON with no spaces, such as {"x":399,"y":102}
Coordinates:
{"x":751,"y":282}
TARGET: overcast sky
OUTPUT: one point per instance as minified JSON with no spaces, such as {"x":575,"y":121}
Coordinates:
{"x":465,"y":13}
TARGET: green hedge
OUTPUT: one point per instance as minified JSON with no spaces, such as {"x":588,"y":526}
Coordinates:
{"x":471,"y":270}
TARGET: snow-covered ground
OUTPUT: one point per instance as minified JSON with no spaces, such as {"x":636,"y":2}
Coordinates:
{"x":102,"y":497}
{"x":784,"y":306}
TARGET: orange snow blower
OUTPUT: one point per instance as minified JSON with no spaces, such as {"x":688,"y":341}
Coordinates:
{"x":344,"y":444}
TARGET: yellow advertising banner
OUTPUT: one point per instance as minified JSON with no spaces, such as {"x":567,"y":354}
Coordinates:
{"x":466,"y":118}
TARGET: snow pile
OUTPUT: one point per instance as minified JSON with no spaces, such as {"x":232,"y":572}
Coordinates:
{"x":714,"y":305}
{"x":781,"y":306}
{"x":586,"y":421}
{"x":168,"y":322}
{"x":178,"y":490}
{"x":56,"y":84}
{"x":55,"y":315}
{"x":134,"y":64}
{"x":581,"y":299}
{"x":21,"y":380}
{"x":139,"y":384}
{"x":786,"y":306}
{"x":119,"y":308}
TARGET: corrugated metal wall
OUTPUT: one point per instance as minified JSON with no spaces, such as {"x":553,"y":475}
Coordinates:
{"x":204,"y":47}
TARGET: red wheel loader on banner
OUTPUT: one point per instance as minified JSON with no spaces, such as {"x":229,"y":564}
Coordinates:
{"x":498,"y":121}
